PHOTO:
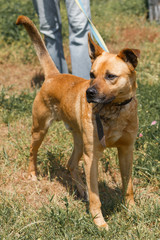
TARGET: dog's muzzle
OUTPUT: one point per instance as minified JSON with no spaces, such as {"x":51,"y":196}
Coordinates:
{"x":94,"y":97}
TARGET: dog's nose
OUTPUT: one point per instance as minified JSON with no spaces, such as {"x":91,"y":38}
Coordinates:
{"x":91,"y":92}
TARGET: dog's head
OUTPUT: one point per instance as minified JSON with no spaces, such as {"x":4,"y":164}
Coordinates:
{"x":113,"y":77}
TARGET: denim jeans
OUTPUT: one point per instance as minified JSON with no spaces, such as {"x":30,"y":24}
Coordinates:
{"x":50,"y":25}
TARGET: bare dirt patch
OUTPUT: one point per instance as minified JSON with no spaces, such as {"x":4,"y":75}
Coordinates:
{"x":133,"y":37}
{"x":3,"y":133}
{"x":139,"y":35}
{"x":18,"y":76}
{"x":36,"y":193}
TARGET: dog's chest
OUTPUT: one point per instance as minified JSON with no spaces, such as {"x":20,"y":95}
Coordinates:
{"x":114,"y":120}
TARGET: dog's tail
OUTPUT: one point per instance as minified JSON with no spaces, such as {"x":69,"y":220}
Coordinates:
{"x":42,"y":53}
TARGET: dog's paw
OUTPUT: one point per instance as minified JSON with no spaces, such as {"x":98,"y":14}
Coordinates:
{"x":103,"y":227}
{"x":98,"y":219}
{"x":101,"y":224}
{"x":32,"y":177}
{"x":130,"y":203}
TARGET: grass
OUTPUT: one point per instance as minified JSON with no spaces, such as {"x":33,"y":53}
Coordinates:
{"x":13,"y":107}
{"x":52,"y":222}
{"x":148,"y":146}
{"x":50,"y":208}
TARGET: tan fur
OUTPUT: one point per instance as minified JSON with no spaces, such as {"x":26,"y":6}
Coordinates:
{"x":63,"y":97}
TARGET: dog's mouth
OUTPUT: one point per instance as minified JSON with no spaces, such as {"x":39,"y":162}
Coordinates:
{"x":93,"y":97}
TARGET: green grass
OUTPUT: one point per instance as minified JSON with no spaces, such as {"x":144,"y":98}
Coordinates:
{"x":37,"y":210}
{"x":52,"y":222}
{"x":15,"y":106}
{"x":147,"y":146}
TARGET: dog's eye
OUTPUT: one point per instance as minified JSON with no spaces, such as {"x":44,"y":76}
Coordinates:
{"x":110,"y":76}
{"x":92,"y":76}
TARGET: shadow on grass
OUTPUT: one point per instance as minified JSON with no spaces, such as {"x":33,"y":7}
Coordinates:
{"x":110,"y":197}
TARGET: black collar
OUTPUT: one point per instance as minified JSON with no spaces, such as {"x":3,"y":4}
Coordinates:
{"x":124,"y":103}
{"x":100,"y":130}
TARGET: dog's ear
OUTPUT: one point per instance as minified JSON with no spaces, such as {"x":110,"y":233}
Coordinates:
{"x":130,"y":57}
{"x":94,"y":49}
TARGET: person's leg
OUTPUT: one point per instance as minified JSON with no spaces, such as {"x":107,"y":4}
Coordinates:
{"x":50,"y":25}
{"x":78,"y":30}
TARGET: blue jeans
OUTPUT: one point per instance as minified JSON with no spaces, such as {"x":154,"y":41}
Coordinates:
{"x":50,"y":25}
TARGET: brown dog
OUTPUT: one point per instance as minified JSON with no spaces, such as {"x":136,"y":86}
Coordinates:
{"x":100,"y":113}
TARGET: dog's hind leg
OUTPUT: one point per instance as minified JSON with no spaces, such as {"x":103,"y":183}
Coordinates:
{"x":41,"y":121}
{"x":73,"y":163}
{"x":125,"y":155}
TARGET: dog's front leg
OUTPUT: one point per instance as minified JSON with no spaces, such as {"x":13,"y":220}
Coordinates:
{"x":125,"y":154}
{"x":91,"y":157}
